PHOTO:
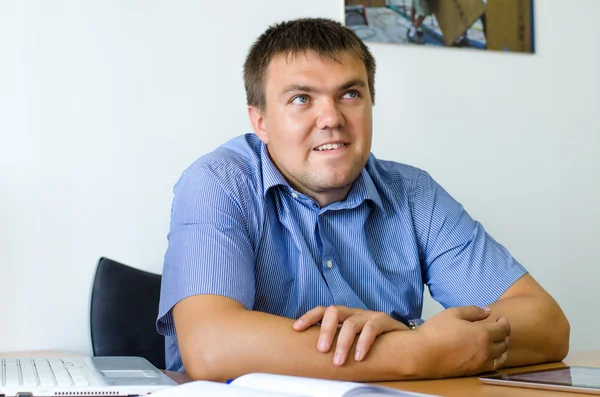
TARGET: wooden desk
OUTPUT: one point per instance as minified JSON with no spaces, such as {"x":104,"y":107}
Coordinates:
{"x":471,"y":386}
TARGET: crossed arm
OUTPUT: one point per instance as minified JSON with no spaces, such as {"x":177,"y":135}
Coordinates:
{"x":219,"y":339}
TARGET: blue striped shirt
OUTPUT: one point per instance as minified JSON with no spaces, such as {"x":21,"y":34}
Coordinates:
{"x":239,"y":230}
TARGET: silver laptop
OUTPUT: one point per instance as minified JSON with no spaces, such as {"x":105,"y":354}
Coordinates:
{"x":85,"y":376}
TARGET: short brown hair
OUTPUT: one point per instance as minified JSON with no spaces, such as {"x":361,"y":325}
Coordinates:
{"x":322,"y":36}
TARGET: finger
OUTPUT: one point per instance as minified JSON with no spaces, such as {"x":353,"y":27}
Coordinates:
{"x":497,"y":362}
{"x":351,"y":326}
{"x":501,"y":360}
{"x":329,"y":327}
{"x":369,"y":333}
{"x":494,"y":365}
{"x":499,"y":348}
{"x":309,"y":318}
{"x":498,"y":331}
{"x":471,"y":313}
{"x":504,"y":320}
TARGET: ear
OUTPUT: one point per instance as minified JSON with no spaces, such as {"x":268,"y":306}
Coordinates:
{"x":257,"y":120}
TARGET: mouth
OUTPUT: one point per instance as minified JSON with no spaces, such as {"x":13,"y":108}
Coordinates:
{"x":330,"y":146}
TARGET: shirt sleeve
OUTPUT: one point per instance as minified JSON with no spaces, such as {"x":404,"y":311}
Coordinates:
{"x":463,"y":265}
{"x":209,"y":250}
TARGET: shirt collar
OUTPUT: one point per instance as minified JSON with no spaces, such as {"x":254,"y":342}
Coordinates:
{"x":270,"y":174}
{"x":362,"y":189}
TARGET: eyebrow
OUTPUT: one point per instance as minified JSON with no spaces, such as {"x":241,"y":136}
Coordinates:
{"x":309,"y":89}
{"x":354,"y":83}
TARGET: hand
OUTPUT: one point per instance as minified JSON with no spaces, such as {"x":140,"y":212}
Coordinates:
{"x":368,"y":324}
{"x":456,"y":342}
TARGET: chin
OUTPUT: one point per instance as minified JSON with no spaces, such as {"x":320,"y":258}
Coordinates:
{"x":327,"y":181}
{"x":336,"y":183}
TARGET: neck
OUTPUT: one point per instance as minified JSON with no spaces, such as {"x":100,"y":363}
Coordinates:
{"x":326,"y":198}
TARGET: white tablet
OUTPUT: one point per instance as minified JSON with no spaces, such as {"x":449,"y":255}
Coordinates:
{"x":572,"y":379}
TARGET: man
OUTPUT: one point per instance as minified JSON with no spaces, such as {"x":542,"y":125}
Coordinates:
{"x":294,"y":250}
{"x":419,"y":10}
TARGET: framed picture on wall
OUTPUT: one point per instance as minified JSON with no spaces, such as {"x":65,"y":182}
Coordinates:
{"x":498,"y":25}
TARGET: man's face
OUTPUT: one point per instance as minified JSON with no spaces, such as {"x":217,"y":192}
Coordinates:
{"x":317,"y":124}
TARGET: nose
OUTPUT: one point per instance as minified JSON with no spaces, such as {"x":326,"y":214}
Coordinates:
{"x":330,"y":116}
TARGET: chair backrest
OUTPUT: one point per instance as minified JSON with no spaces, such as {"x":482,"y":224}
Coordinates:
{"x":123,"y":312}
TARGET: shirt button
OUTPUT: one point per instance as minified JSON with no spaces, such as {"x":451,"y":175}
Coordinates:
{"x":294,"y":195}
{"x":330,"y":263}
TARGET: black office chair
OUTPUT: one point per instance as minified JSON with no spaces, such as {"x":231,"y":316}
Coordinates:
{"x":123,"y":312}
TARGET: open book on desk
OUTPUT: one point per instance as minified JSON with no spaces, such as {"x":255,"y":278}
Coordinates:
{"x":269,"y":385}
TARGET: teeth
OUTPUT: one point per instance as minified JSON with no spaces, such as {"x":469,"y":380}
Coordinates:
{"x":330,"y":146}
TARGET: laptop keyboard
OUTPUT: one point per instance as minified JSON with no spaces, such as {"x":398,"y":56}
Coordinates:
{"x":42,"y":372}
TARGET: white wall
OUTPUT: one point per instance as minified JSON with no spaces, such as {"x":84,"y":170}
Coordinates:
{"x":103,"y":104}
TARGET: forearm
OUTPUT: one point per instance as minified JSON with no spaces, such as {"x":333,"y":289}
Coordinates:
{"x":539,"y":329}
{"x":236,"y":342}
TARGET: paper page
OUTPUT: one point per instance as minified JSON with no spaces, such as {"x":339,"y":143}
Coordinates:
{"x":294,"y":384}
{"x":215,"y":389}
{"x":314,"y":387}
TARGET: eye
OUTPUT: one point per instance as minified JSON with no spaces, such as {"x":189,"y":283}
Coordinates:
{"x":352,"y":94}
{"x":300,"y":99}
